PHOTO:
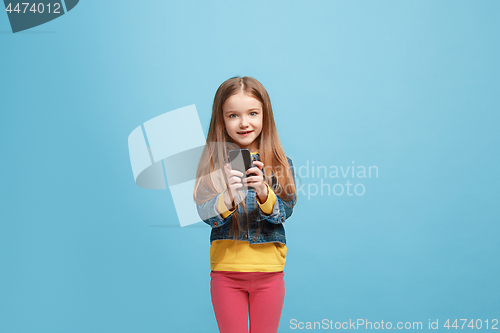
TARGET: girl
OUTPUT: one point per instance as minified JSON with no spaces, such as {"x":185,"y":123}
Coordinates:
{"x":248,"y":244}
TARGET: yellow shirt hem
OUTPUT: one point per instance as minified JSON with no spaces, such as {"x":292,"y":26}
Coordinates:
{"x":247,"y":268}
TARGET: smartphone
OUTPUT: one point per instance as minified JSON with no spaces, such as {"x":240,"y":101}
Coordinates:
{"x":241,"y":160}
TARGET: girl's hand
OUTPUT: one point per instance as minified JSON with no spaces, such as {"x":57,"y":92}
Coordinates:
{"x":257,"y":181}
{"x":234,"y":182}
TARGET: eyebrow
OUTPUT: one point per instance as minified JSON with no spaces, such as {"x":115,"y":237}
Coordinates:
{"x":252,"y":109}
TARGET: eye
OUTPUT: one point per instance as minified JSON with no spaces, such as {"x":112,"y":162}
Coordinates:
{"x":231,"y":115}
{"x":254,"y":112}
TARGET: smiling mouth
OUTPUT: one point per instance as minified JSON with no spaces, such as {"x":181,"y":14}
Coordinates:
{"x":246,"y":132}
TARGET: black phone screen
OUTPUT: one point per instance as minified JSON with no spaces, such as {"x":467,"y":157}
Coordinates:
{"x":240,"y":160}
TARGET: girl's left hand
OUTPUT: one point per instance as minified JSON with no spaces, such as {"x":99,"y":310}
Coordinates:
{"x":257,"y":181}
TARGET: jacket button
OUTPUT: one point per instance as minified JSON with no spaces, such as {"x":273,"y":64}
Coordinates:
{"x":215,"y":224}
{"x":282,"y":219}
{"x":246,"y":236}
{"x":254,"y":239}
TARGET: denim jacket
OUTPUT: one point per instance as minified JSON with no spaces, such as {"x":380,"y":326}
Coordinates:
{"x":271,"y":229}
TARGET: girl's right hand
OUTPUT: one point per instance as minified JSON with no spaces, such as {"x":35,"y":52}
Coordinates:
{"x":234,"y":182}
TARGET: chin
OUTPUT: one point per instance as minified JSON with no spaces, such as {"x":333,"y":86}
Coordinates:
{"x":246,"y":142}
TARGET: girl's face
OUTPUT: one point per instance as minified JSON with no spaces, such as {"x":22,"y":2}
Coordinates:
{"x":243,"y":116}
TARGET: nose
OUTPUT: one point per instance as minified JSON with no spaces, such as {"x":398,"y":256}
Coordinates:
{"x":243,"y":123}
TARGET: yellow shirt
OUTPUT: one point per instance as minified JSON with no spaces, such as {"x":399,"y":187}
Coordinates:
{"x":241,"y":256}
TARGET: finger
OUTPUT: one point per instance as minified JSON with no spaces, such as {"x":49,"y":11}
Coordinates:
{"x":237,"y":173}
{"x":234,"y":180}
{"x":234,"y":190}
{"x":228,"y":169}
{"x":259,"y":164}
{"x":252,"y":180}
{"x":255,"y":170}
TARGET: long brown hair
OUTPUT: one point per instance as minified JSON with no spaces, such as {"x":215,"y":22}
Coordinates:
{"x":210,"y":176}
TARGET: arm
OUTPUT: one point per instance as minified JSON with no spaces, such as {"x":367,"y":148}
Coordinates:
{"x":280,"y":211}
{"x":214,"y":211}
{"x":267,"y":206}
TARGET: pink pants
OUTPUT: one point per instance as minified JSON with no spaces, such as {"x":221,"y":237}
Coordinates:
{"x":236,"y":295}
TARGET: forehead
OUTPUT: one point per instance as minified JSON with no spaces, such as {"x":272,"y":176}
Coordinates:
{"x":241,"y":102}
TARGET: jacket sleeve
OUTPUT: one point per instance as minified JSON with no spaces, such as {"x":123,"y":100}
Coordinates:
{"x":282,"y":210}
{"x":267,"y":207}
{"x":209,"y":212}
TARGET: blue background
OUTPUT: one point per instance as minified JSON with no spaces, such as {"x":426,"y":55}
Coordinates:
{"x":408,"y":86}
